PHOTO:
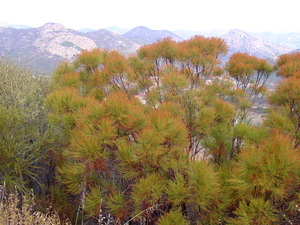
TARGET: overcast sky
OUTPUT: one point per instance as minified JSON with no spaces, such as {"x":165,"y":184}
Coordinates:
{"x":250,"y":15}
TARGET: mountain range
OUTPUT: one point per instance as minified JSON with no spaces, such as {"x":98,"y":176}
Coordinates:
{"x":144,"y":36}
{"x":44,"y":47}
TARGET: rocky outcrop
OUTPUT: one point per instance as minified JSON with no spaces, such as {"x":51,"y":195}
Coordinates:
{"x":44,"y":47}
{"x":239,"y":41}
{"x":57,"y":40}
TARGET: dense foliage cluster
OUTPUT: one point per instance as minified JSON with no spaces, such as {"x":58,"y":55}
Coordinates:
{"x":166,"y":136}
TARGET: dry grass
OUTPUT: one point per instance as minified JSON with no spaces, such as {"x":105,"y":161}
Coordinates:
{"x":17,"y":209}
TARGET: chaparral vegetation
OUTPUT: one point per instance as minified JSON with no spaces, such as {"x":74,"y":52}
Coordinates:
{"x":170,"y":135}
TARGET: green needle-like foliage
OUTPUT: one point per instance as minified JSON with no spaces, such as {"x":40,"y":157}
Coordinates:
{"x":177,"y":190}
{"x":94,"y":201}
{"x":118,"y":206}
{"x":203,"y":185}
{"x":148,"y":191}
{"x":268,"y":171}
{"x":257,"y":211}
{"x":173,"y":217}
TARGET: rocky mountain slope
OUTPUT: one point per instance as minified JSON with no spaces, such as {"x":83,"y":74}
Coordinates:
{"x":19,"y":44}
{"x":240,"y":41}
{"x":55,"y":39}
{"x":44,"y":47}
{"x":108,"y":40}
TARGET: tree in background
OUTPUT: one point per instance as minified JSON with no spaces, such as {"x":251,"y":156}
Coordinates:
{"x":250,"y":75}
{"x":285,"y":115}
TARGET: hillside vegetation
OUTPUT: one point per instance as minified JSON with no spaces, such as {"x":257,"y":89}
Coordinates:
{"x":165,"y":136}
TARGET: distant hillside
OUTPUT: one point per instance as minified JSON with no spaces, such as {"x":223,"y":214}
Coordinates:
{"x":18,"y":26}
{"x":290,"y":40}
{"x":287,"y":40}
{"x":186,"y":34}
{"x":294,"y":51}
{"x":239,"y":41}
{"x":43,"y":47}
{"x":252,"y":43}
{"x":20,"y":44}
{"x":143,"y":35}
{"x":108,"y":40}
{"x":117,"y":30}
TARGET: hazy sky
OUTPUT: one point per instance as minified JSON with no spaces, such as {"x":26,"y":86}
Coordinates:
{"x":250,"y":15}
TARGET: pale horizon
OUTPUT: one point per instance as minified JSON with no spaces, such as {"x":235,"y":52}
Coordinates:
{"x":251,"y":16}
